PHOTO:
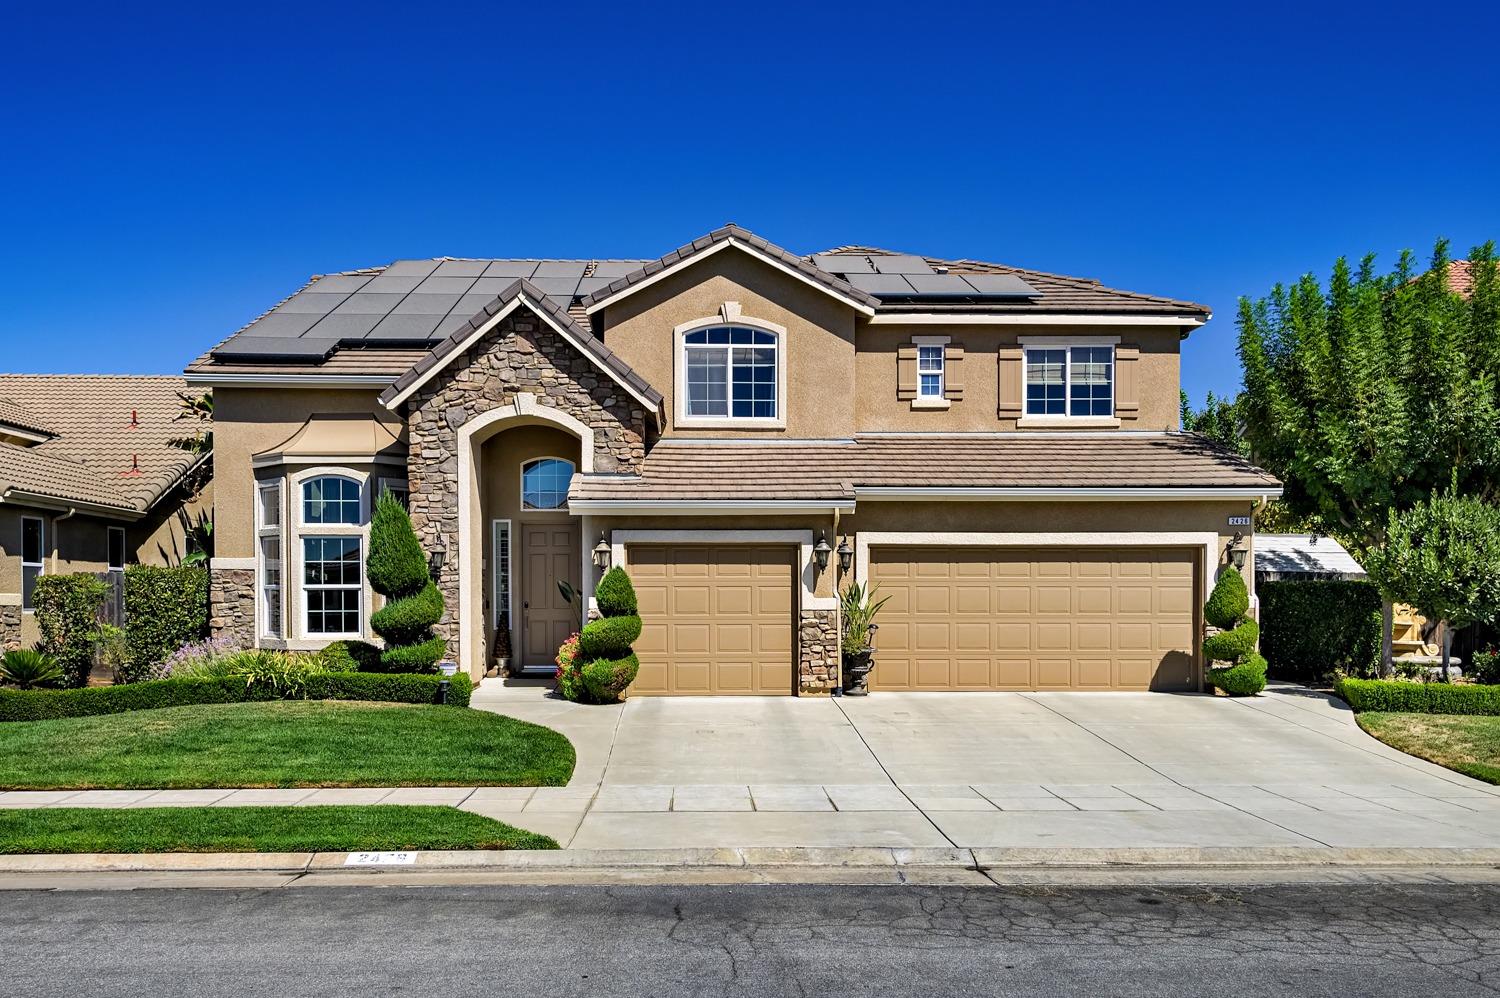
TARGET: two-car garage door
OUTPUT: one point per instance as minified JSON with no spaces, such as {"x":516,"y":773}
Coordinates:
{"x":970,"y":618}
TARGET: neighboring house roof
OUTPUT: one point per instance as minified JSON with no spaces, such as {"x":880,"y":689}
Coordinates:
{"x":12,"y":414}
{"x":895,"y":465}
{"x":523,"y":292}
{"x":1461,"y":277}
{"x":371,"y":325}
{"x":1304,"y":554}
{"x":111,"y":443}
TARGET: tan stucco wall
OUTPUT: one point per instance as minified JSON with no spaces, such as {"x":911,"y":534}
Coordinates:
{"x":248,"y":421}
{"x":76,"y":544}
{"x":161,"y":538}
{"x":818,"y":353}
{"x":877,"y":407}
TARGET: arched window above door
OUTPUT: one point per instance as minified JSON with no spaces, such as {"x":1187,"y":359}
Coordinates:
{"x":544,"y":483}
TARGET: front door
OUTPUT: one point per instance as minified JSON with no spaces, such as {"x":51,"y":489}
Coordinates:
{"x":549,"y":555}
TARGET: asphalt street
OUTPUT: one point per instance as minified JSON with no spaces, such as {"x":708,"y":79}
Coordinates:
{"x":1374,"y":940}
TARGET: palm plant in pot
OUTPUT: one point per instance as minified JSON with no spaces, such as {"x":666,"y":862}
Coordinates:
{"x":857,"y":609}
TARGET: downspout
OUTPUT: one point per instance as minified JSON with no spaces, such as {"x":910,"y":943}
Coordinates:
{"x":838,"y":611}
{"x":55,"y":532}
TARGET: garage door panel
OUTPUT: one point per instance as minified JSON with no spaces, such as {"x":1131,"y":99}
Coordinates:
{"x":716,"y":618}
{"x":1052,"y":618}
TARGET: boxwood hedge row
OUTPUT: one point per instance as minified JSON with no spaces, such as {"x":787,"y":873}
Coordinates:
{"x":1395,"y":696}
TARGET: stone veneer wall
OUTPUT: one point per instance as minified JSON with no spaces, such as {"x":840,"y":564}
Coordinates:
{"x":10,"y":628}
{"x":231,"y":595}
{"x":818,"y":659}
{"x":521,"y":355}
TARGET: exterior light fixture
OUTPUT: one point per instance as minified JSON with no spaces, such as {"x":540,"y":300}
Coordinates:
{"x":1237,"y":550}
{"x":846,"y":556}
{"x":601,"y":554}
{"x":821,"y":551}
{"x":435,"y":561}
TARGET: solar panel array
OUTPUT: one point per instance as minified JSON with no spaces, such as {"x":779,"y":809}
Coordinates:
{"x":903,"y":276}
{"x":409,"y":302}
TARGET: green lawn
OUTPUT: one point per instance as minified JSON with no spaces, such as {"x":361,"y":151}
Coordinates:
{"x":283,"y":744}
{"x":256,"y":829}
{"x":1464,"y":743}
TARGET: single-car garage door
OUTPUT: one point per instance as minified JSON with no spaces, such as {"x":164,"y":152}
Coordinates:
{"x":717,"y":618}
{"x":962,"y":618}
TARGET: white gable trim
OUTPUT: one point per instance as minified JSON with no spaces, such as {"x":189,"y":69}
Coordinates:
{"x":688,"y":261}
{"x":1031,"y":319}
{"x":554,"y":325}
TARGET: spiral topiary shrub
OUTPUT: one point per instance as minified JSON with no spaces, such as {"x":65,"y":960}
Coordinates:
{"x":397,"y":568}
{"x":604,"y":666}
{"x":1244,"y":673}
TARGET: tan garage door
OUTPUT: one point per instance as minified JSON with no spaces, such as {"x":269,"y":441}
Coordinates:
{"x":1035,"y":619}
{"x":717,"y":619}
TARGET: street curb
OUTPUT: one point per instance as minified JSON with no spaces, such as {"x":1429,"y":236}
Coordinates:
{"x":665,"y":860}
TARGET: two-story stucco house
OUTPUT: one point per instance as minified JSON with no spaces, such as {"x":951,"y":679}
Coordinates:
{"x":996,"y":448}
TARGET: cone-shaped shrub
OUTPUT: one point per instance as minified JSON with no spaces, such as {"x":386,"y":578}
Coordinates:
{"x":397,"y":568}
{"x":608,"y":664}
{"x":1245,"y":672}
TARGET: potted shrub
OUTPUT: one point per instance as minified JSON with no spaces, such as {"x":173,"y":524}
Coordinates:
{"x":502,"y":651}
{"x":857,"y":610}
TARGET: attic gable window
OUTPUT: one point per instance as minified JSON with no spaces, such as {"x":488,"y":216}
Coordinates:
{"x":731,"y":372}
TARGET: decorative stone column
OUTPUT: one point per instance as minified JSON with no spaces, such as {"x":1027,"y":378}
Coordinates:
{"x":10,"y":628}
{"x":231,"y":595}
{"x":818,"y":660}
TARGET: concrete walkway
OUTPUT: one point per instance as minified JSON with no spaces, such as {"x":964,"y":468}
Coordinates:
{"x":1058,"y":771}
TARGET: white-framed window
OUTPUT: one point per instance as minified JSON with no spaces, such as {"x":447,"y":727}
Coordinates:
{"x":332,"y":499}
{"x":544,"y":483}
{"x":33,"y":556}
{"x":332,"y":584}
{"x":1070,"y":381}
{"x":114,"y":544}
{"x":930,"y":371}
{"x":731,"y":372}
{"x":269,"y":552}
{"x":500,"y":553}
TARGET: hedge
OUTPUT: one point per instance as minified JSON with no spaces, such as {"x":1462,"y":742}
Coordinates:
{"x":37,"y":705}
{"x":1394,"y":696}
{"x":1310,"y":628}
{"x":165,"y":608}
{"x":67,"y":614}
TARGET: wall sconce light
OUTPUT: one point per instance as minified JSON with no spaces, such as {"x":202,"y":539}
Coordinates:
{"x":1237,"y":550}
{"x":821,"y":551}
{"x":601,"y":554}
{"x":846,"y":556}
{"x":435,"y":561}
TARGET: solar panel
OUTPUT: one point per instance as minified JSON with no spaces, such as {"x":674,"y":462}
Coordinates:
{"x":411,"y":268}
{"x":1002,"y":285}
{"x":280,"y":324}
{"x":311,"y":302}
{"x":881,"y":284}
{"x":510,"y":268}
{"x":561,"y":269}
{"x":937,"y":285}
{"x":589,"y":285}
{"x":556,"y":287}
{"x":416,"y":304}
{"x":340,"y":283}
{"x":490,"y":287}
{"x":403,"y":328}
{"x":275,"y":347}
{"x":343,"y":327}
{"x":365,"y":303}
{"x":844,"y":263}
{"x":445,"y":285}
{"x":614,"y":269}
{"x":392,"y":284}
{"x":460,"y":268}
{"x":901,"y":264}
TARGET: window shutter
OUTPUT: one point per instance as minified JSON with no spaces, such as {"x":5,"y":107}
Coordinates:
{"x":1127,"y":387}
{"x":953,"y":378}
{"x":906,"y":371}
{"x":1010,"y":388}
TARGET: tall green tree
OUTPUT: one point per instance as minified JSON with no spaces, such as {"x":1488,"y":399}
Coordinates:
{"x":1443,"y":557}
{"x":1367,"y":396}
{"x":1219,"y":420}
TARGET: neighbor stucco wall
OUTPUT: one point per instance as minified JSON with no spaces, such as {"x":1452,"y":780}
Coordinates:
{"x":878,"y":408}
{"x":818,"y":351}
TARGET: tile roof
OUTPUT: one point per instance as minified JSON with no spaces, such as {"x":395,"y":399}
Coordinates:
{"x":20,"y":417}
{"x":549,"y":309}
{"x":1304,"y":553}
{"x":683,"y":470}
{"x":112,"y":439}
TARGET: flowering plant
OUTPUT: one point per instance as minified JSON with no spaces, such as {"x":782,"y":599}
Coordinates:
{"x":569,"y":676}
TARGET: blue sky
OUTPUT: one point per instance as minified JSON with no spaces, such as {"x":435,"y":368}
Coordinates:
{"x":167,"y":174}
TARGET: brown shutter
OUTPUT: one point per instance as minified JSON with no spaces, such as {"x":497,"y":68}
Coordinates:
{"x":906,"y":371}
{"x":953,"y":377}
{"x":1127,"y":387}
{"x":1010,"y":387}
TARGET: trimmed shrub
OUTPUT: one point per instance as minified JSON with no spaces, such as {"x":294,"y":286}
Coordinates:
{"x":111,"y":652}
{"x":1229,"y":601}
{"x":1485,"y":665}
{"x":351,"y":656}
{"x":1243,"y":680}
{"x":397,"y":569}
{"x":615,"y":595}
{"x":37,"y":705}
{"x":67,"y":614}
{"x":1244,"y":673}
{"x":1394,"y":696}
{"x":165,"y":608}
{"x":1310,"y":628}
{"x":569,"y":678}
{"x":603,"y":662}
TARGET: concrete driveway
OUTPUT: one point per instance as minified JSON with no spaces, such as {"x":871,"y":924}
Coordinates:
{"x":986,"y":770}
